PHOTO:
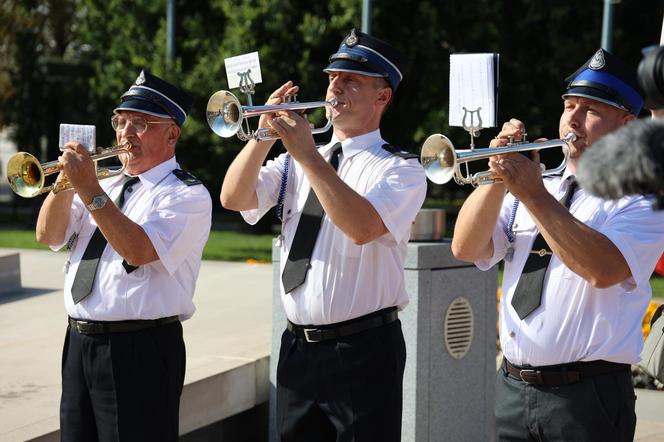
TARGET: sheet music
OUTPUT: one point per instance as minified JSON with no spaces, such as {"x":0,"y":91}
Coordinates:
{"x":474,"y":86}
{"x":243,"y":65}
{"x":80,"y":133}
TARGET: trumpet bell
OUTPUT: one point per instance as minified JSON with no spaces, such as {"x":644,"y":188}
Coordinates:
{"x":25,"y":175}
{"x":438,"y":158}
{"x":224,"y":114}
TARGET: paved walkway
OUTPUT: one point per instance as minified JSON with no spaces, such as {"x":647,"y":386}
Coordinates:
{"x":230,"y":333}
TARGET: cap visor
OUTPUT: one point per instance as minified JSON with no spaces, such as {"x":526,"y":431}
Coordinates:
{"x":352,"y":67}
{"x":136,"y":104}
{"x":593,"y":94}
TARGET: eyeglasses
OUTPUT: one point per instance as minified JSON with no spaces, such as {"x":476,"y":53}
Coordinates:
{"x":139,"y":124}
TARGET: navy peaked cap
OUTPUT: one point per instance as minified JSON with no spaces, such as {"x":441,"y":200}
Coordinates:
{"x":606,"y":78}
{"x":360,"y":53}
{"x":153,"y":96}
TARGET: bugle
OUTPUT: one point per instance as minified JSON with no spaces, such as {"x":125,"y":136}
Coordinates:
{"x":441,"y":161}
{"x":226,"y":116}
{"x":26,"y":175}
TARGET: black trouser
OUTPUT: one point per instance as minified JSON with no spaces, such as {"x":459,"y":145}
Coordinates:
{"x":346,"y":389}
{"x":597,"y":408}
{"x":122,"y":386}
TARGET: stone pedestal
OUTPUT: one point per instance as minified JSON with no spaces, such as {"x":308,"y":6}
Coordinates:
{"x":450,"y":332}
{"x":10,"y":273}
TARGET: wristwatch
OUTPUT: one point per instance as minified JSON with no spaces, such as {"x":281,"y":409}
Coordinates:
{"x":98,"y":202}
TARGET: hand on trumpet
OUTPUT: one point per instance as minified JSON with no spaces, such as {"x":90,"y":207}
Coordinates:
{"x":520,"y":172}
{"x":511,"y":132}
{"x":79,"y":168}
{"x":277,"y":98}
{"x":295,"y":133}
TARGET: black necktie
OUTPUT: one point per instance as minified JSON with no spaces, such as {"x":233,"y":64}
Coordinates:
{"x":87,"y":268}
{"x":297,"y":264}
{"x":528,"y":294}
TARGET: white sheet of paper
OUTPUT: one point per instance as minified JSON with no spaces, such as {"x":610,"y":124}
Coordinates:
{"x":240,"y":65}
{"x":473,"y":86}
{"x":80,"y":133}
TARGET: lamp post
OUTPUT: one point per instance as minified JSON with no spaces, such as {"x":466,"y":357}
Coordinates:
{"x":367,"y":9}
{"x":607,"y":25}
{"x":170,"y":32}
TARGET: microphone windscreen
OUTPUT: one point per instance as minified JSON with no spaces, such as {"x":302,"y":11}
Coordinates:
{"x":627,"y":161}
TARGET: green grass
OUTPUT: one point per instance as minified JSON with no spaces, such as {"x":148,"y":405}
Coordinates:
{"x":231,"y":246}
{"x":221,"y":246}
{"x":20,"y":239}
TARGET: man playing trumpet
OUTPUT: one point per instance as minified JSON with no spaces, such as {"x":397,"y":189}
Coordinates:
{"x":347,"y":209}
{"x":135,"y":249}
{"x":576,"y":278}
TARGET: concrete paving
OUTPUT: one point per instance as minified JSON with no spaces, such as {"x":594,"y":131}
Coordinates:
{"x":228,"y":347}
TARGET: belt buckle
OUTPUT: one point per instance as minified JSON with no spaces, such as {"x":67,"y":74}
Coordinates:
{"x":309,"y":332}
{"x":89,"y":328}
{"x":527,"y":372}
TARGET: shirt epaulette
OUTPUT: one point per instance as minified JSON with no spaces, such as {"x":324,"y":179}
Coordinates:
{"x":186,"y":177}
{"x":394,"y":150}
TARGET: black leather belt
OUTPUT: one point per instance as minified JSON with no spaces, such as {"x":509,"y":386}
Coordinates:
{"x":318,"y":333}
{"x":99,"y":327}
{"x":562,"y":374}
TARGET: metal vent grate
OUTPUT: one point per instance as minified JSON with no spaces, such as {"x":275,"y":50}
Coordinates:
{"x":458,"y":327}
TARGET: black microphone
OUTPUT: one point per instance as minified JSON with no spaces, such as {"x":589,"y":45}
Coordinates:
{"x":627,"y":161}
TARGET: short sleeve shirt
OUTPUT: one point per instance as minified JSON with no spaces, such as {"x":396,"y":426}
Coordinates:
{"x":576,"y":321}
{"x":347,"y":280}
{"x":176,"y":217}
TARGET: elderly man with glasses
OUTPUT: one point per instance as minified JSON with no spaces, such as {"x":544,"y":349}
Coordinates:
{"x":135,"y":244}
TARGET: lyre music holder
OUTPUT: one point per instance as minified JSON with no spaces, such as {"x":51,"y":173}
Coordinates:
{"x":247,"y":87}
{"x":473,"y":128}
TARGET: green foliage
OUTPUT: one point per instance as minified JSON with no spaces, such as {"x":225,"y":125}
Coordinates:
{"x":97,"y":48}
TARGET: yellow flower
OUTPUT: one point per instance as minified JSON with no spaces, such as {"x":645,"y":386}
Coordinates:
{"x":645,"y":325}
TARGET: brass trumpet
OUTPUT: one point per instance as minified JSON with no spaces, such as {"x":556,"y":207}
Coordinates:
{"x":441,"y":161}
{"x":226,"y":116}
{"x":26,"y":175}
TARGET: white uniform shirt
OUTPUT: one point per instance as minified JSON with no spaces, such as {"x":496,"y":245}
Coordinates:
{"x":176,"y":218}
{"x":346,"y":280}
{"x":577,"y":322}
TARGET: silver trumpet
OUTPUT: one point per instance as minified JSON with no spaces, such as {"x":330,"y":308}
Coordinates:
{"x":227,"y":117}
{"x":441,"y":161}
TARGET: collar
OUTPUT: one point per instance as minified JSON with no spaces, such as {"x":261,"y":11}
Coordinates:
{"x":150,"y":178}
{"x":355,"y":145}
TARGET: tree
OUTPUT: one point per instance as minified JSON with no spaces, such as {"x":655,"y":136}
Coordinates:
{"x":540,"y":42}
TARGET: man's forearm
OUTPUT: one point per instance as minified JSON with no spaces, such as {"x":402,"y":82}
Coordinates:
{"x":54,"y":217}
{"x":579,"y":246}
{"x":472,"y":239}
{"x":348,"y":210}
{"x":238,"y":191}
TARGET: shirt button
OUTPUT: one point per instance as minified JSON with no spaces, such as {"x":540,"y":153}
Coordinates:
{"x":512,"y":334}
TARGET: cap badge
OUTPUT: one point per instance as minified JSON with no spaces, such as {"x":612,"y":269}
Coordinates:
{"x":352,"y":39}
{"x":597,"y":62}
{"x":141,"y":79}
